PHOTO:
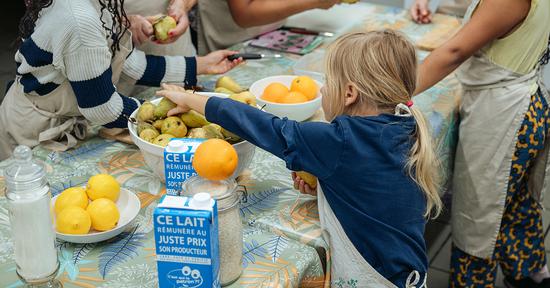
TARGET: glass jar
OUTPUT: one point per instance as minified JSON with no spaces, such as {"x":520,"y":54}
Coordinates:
{"x":230,"y":225}
{"x":31,"y":221}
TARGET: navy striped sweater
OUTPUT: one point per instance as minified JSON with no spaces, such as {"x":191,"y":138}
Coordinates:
{"x":69,"y":43}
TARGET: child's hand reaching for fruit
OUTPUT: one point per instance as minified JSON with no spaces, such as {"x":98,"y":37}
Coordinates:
{"x":301,"y":184}
{"x":185,"y":101}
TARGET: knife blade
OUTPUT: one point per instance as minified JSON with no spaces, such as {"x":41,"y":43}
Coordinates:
{"x":252,"y":56}
{"x":308,"y":32}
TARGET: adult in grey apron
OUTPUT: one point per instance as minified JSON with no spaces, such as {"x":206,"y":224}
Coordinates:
{"x":493,"y":107}
{"x":52,"y":120}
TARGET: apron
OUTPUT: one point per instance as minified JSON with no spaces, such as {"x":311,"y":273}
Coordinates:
{"x":493,"y":108}
{"x":182,"y":47}
{"x":53,"y":120}
{"x":218,"y":30}
{"x":348,"y":265}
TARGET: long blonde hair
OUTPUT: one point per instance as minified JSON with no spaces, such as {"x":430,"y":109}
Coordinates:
{"x":382,"y":65}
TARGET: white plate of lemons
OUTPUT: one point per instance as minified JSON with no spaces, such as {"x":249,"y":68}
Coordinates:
{"x":99,"y":211}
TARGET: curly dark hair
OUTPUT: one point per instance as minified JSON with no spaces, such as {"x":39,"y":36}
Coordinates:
{"x":119,"y":26}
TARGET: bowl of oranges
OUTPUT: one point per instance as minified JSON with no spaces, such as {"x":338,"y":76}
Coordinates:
{"x":294,"y":97}
{"x":99,"y":211}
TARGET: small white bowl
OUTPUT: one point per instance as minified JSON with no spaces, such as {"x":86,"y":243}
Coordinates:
{"x":154,"y":154}
{"x":298,"y":111}
{"x":128,"y":205}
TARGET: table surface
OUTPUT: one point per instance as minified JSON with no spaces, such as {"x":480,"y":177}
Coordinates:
{"x":283,"y":246}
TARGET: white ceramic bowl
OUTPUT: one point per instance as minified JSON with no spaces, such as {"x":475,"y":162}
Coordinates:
{"x":154,"y":154}
{"x":298,"y":111}
{"x":128,"y":205}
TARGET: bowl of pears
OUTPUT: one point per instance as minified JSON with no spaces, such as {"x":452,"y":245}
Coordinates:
{"x":152,"y":130}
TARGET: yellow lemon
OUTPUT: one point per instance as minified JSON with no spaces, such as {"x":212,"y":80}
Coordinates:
{"x":74,"y":196}
{"x":103,"y":186}
{"x":73,"y":220}
{"x":104,"y":214}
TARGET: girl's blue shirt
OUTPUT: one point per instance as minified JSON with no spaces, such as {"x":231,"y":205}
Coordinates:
{"x":361,"y":166}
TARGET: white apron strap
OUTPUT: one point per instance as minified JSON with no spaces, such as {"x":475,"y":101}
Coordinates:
{"x":64,"y":136}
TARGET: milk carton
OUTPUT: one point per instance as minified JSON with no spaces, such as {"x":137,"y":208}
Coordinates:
{"x":178,"y":157}
{"x":186,"y":241}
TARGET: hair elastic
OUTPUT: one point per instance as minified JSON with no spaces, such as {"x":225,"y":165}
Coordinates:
{"x":409,"y":103}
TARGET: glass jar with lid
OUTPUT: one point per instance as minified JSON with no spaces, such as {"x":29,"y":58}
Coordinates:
{"x":230,"y":226}
{"x":31,"y":222}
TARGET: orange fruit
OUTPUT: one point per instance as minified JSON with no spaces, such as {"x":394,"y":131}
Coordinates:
{"x":274,"y":92}
{"x":306,"y":86}
{"x":294,"y":97}
{"x":215,"y":160}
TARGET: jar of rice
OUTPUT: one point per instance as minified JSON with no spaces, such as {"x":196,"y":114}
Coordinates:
{"x":230,"y":226}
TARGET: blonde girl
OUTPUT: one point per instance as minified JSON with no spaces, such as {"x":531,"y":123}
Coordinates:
{"x":374,"y":160}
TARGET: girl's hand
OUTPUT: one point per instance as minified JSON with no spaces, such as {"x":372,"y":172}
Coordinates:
{"x":177,"y":95}
{"x":216,"y":62}
{"x":185,"y":101}
{"x":420,"y":12}
{"x":142,"y":29}
{"x":301,"y":185}
{"x":177,"y":10}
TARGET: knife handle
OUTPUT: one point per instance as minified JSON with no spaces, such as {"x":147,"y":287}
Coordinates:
{"x":245,"y":56}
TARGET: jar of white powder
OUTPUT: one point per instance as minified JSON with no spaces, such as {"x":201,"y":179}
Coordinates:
{"x":31,"y":222}
{"x":230,"y":226}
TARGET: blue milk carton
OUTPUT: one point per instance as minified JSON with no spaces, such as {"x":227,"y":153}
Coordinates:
{"x":178,"y":158}
{"x":186,"y":241}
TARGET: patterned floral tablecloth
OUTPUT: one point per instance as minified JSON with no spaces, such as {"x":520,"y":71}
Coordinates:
{"x":283,"y":246}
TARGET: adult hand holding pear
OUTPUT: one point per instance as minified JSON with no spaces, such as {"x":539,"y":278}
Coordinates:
{"x":177,"y":10}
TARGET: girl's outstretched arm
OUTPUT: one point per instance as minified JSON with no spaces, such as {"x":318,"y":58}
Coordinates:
{"x":492,"y":19}
{"x":312,"y":146}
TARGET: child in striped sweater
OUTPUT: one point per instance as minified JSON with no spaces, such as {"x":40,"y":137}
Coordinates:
{"x":72,"y":55}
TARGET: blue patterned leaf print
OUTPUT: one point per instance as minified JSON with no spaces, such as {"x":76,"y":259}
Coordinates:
{"x":261,"y":201}
{"x":276,"y":247}
{"x":60,"y":187}
{"x":16,"y":284}
{"x":253,"y":249}
{"x":81,"y":250}
{"x":87,"y":150}
{"x":121,"y":249}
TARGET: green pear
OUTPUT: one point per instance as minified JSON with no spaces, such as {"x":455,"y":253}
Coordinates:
{"x":174,"y":126}
{"x":158,"y":124}
{"x":197,"y":133}
{"x":230,"y":137}
{"x":144,"y":125}
{"x":163,"y":139}
{"x":245,"y":97}
{"x":146,"y":112}
{"x":229,"y":84}
{"x":149,"y":134}
{"x":163,"y":26}
{"x":165,"y":105}
{"x":223,"y":90}
{"x":193,"y":119}
{"x":213,"y":131}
